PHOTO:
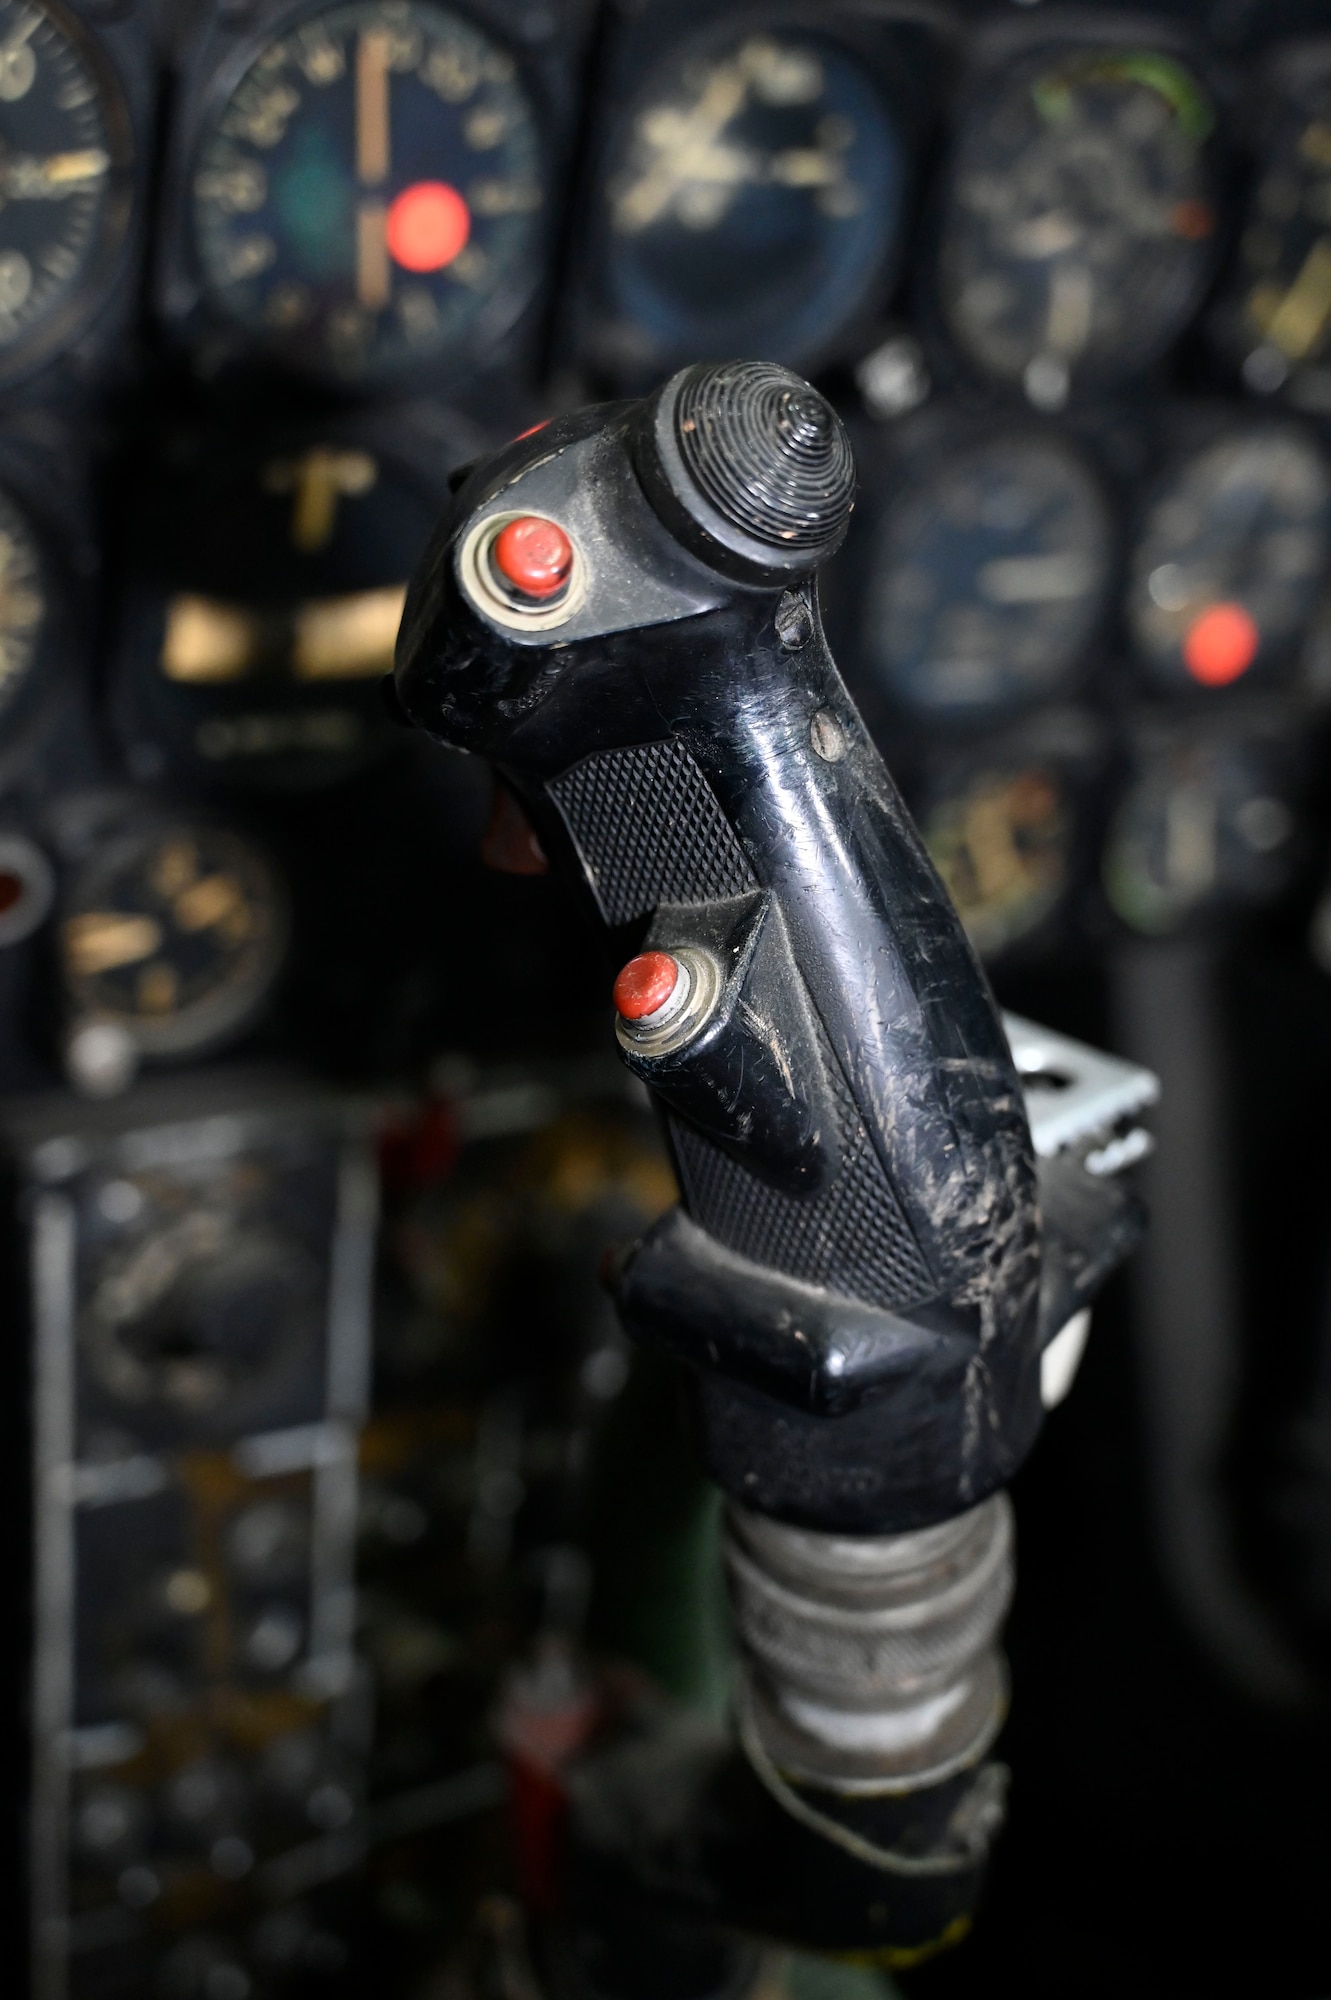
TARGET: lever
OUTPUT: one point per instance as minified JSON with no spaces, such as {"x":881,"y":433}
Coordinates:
{"x":620,"y":612}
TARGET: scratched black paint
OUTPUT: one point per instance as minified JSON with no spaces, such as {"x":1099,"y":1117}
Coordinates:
{"x":838,"y":1401}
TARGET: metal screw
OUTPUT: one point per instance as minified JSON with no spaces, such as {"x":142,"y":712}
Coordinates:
{"x":101,"y":1059}
{"x":893,"y":378}
{"x":794,"y":622}
{"x":827,"y":736}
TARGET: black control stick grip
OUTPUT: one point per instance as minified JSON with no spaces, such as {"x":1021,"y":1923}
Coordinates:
{"x":621,"y":614}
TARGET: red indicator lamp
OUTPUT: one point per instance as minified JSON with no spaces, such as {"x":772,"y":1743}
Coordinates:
{"x":427,"y":225}
{"x":532,"y":556}
{"x":1220,"y":644}
{"x":1194,"y":221}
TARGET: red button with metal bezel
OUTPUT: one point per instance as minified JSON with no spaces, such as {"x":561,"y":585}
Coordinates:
{"x":532,"y":557}
{"x":645,"y":985}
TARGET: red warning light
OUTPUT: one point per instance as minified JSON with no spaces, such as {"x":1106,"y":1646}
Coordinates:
{"x":427,"y":225}
{"x":1220,"y":644}
{"x":1194,"y":221}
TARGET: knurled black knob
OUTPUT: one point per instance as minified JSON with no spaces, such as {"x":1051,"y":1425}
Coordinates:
{"x":749,"y":466}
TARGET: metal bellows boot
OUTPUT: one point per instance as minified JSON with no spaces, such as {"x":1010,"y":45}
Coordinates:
{"x":871,"y":1662}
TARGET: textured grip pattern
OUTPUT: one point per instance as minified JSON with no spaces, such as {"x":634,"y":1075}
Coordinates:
{"x":852,"y":1237}
{"x":650,"y":830}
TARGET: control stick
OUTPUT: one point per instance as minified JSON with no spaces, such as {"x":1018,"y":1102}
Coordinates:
{"x":620,"y":613}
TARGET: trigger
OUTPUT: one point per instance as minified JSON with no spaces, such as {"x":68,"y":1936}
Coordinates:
{"x":509,"y":843}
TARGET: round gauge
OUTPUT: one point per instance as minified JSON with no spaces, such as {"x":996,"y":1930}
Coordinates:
{"x":174,"y":933}
{"x":27,"y":888}
{"x":266,"y":591}
{"x":65,"y":179}
{"x":988,"y":579}
{"x":371,"y":193}
{"x":196,"y":1319}
{"x":1284,"y":260}
{"x":1079,"y":219}
{"x":1203,"y":830}
{"x":1229,"y":565}
{"x":752,"y":204}
{"x":1002,"y":842}
{"x":22,"y":602}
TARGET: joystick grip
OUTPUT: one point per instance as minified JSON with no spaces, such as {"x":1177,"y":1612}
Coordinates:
{"x":848,"y":1128}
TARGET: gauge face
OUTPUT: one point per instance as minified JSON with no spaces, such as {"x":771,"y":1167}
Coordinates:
{"x":1079,"y":220}
{"x":22,"y":602}
{"x":176,"y":933}
{"x":753,"y":203}
{"x":1002,"y":842}
{"x":192,"y":1317}
{"x":988,"y":579}
{"x":64,"y":179}
{"x":1285,"y":258}
{"x":1229,"y":565}
{"x":371,"y":194}
{"x":269,"y":589}
{"x":1204,"y":830}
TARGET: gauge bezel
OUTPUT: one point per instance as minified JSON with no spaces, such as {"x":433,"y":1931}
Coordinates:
{"x":642,"y":56}
{"x":1291,"y":78}
{"x":155,"y":719}
{"x":75,"y":314}
{"x":1182,"y":431}
{"x":1258,"y":726}
{"x":244,"y":1241}
{"x":997,"y":50}
{"x":1074,"y":744}
{"x":31,"y":706}
{"x":893,"y":458}
{"x":221,"y":59}
{"x":45,"y":721}
{"x":21,"y":856}
{"x":218,"y":1018}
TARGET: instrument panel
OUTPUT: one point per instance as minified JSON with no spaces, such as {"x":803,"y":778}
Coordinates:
{"x":1084,"y":609}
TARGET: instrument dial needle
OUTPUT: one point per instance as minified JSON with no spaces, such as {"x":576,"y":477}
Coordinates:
{"x":373,"y":159}
{"x":373,"y":149}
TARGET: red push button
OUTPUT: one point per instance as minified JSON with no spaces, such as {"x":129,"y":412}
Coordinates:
{"x":532,"y":556}
{"x":645,"y":985}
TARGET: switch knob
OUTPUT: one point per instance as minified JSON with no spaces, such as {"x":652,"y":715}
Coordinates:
{"x":646,"y":986}
{"x":533,"y":557}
